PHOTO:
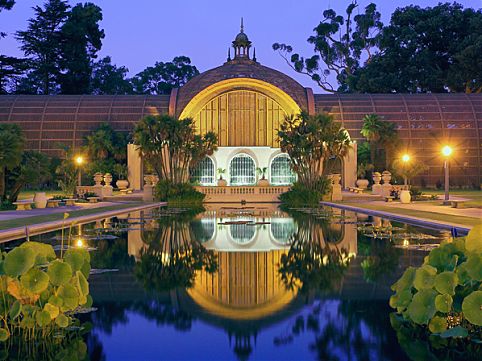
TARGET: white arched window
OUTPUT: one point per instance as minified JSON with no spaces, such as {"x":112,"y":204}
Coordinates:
{"x":280,"y":171}
{"x":242,"y":170}
{"x":203,"y":173}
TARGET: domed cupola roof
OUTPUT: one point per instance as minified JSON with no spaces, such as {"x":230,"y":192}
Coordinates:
{"x":241,"y":39}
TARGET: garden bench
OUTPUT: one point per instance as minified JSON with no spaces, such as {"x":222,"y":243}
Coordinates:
{"x":126,"y":191}
{"x":355,"y":190}
{"x":70,"y":201}
{"x":23,"y":205}
{"x":92,"y":199}
{"x":53,"y":203}
{"x":457,"y":204}
{"x":389,"y":198}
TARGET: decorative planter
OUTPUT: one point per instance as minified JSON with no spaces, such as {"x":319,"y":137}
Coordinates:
{"x":386,"y":177}
{"x":122,"y":184}
{"x":405,"y":196}
{"x":222,"y":182}
{"x":362,"y":183}
{"x":336,"y":178}
{"x":377,"y":177}
{"x":263,"y":182}
{"x":40,"y":200}
{"x":98,"y":178}
{"x":107,"y":179}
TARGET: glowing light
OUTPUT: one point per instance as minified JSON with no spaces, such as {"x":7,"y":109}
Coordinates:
{"x":79,"y":160}
{"x":79,"y":243}
{"x":406,"y":158}
{"x":447,"y":151}
{"x":406,"y":243}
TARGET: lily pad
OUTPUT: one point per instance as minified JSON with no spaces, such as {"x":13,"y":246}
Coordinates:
{"x":82,"y":284}
{"x":406,"y":281}
{"x":52,"y":310}
{"x":59,"y":272}
{"x":472,"y":308}
{"x":446,"y":282}
{"x":473,"y":241}
{"x":462,"y":273}
{"x":69,"y":296}
{"x":422,"y":308}
{"x":443,"y":303}
{"x":18,"y":261}
{"x":62,"y":321}
{"x":4,"y":334}
{"x":437,"y":324}
{"x":424,"y":277}
{"x":474,"y":266}
{"x":35,"y":281}
{"x":42,"y":318}
{"x":56,"y":301}
{"x":44,"y":253}
{"x":75,"y":258}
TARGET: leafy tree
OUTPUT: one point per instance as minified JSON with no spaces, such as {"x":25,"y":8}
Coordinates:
{"x":42,"y":43}
{"x":6,"y":4}
{"x":408,"y":170}
{"x":81,"y":39}
{"x":163,"y":77}
{"x":341,"y":45}
{"x":371,"y":130}
{"x":310,"y":140}
{"x":104,"y":142}
{"x":434,"y":49}
{"x":107,"y":78}
{"x":11,"y":68}
{"x":172,"y":146}
{"x":12,"y":142}
{"x":34,"y":168}
{"x":67,"y":173}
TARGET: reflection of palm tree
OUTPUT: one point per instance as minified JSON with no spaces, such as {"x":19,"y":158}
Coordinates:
{"x":381,"y":261}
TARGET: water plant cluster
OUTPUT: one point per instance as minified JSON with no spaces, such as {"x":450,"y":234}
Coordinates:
{"x":40,"y":292}
{"x":444,"y":295}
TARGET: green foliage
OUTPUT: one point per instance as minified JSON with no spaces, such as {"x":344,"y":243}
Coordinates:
{"x":12,"y":142}
{"x":445,"y":291}
{"x":36,"y":298}
{"x":163,"y":77}
{"x":107,"y":78}
{"x":120,"y":170}
{"x":301,"y":196}
{"x":380,"y":135}
{"x":178,"y":194}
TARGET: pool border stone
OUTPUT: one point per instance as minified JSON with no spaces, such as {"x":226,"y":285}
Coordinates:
{"x":34,"y":229}
{"x":424,"y":222}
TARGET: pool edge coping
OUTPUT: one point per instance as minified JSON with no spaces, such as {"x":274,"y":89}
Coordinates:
{"x":11,"y":234}
{"x":398,"y":217}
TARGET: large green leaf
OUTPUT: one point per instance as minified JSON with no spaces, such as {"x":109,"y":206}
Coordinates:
{"x":52,"y":310}
{"x":4,"y":334}
{"x":81,"y":283}
{"x":59,"y":272}
{"x":18,"y":261}
{"x":35,"y":281}
{"x":463,"y":274}
{"x":474,"y":266}
{"x":422,"y":308}
{"x":446,"y":282}
{"x":443,"y":303}
{"x":62,"y":321}
{"x":75,"y":258}
{"x":15,"y":310}
{"x":424,"y":277}
{"x":42,"y":318}
{"x":44,"y":253}
{"x":406,"y":281}
{"x":472,"y":308}
{"x":437,"y":324}
{"x":69,"y":296}
{"x":442,"y":256}
{"x":473,"y":241}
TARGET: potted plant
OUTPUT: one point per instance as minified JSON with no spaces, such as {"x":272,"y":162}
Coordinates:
{"x":120,"y":171}
{"x":221,"y":182}
{"x":263,"y":182}
{"x":362,"y":170}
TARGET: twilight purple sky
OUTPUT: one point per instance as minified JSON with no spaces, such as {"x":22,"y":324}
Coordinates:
{"x":141,"y":32}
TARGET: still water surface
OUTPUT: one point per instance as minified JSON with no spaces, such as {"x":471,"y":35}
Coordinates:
{"x":252,"y":283}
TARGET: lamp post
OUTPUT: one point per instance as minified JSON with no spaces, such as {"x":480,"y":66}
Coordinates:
{"x":446,"y":152}
{"x":79,"y":160}
{"x":405,"y":196}
{"x":405,"y":160}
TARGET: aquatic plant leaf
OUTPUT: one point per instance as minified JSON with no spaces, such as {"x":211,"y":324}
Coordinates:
{"x":457,"y":331}
{"x":4,"y":334}
{"x":52,"y":310}
{"x":441,"y":256}
{"x":86,"y":269}
{"x":406,"y":281}
{"x":422,"y":308}
{"x":16,"y":290}
{"x":42,"y":318}
{"x":56,"y":301}
{"x":437,"y":324}
{"x":446,"y":282}
{"x":15,"y":310}
{"x":424,"y":277}
{"x":69,"y":296}
{"x":18,"y":261}
{"x":44,"y":253}
{"x":75,"y":258}
{"x":472,"y":308}
{"x":35,"y":281}
{"x":82,"y":284}
{"x":462,"y":273}
{"x":474,"y":266}
{"x":27,"y":322}
{"x":473,"y":241}
{"x":89,"y":302}
{"x":443,"y":303}
{"x":62,"y":321}
{"x":59,"y":272}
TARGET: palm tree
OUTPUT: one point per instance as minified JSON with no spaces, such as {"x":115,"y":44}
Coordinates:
{"x":12,"y":142}
{"x":371,"y":130}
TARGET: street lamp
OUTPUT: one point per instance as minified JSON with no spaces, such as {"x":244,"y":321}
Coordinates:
{"x":79,"y":160}
{"x":446,"y":152}
{"x":405,"y":196}
{"x":405,"y":160}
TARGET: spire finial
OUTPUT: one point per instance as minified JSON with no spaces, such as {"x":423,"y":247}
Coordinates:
{"x":254,"y":54}
{"x":229,"y":54}
{"x":242,"y":26}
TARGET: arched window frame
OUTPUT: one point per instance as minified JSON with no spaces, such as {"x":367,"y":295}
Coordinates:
{"x":279,"y":180}
{"x":249,"y":177}
{"x":207,"y":176}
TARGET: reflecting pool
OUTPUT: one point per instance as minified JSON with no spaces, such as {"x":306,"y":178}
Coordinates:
{"x":245,"y":283}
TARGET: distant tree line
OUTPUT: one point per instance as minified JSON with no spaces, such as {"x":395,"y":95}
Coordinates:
{"x":433,"y":49}
{"x":60,"y":47}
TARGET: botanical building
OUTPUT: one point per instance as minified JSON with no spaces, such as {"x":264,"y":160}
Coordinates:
{"x":244,"y":102}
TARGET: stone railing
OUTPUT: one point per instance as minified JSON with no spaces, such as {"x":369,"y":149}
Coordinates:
{"x":101,"y":190}
{"x":217,"y":194}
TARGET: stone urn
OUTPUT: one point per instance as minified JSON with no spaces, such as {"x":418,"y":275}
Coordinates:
{"x":122,"y":183}
{"x":222,"y":182}
{"x":377,"y":177}
{"x":107,"y":179}
{"x":147,"y":180}
{"x":386,"y":177}
{"x":40,"y":199}
{"x":405,"y":196}
{"x":154,"y":180}
{"x":362,"y":183}
{"x":98,"y":177}
{"x":377,"y":187}
{"x":263,"y":182}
